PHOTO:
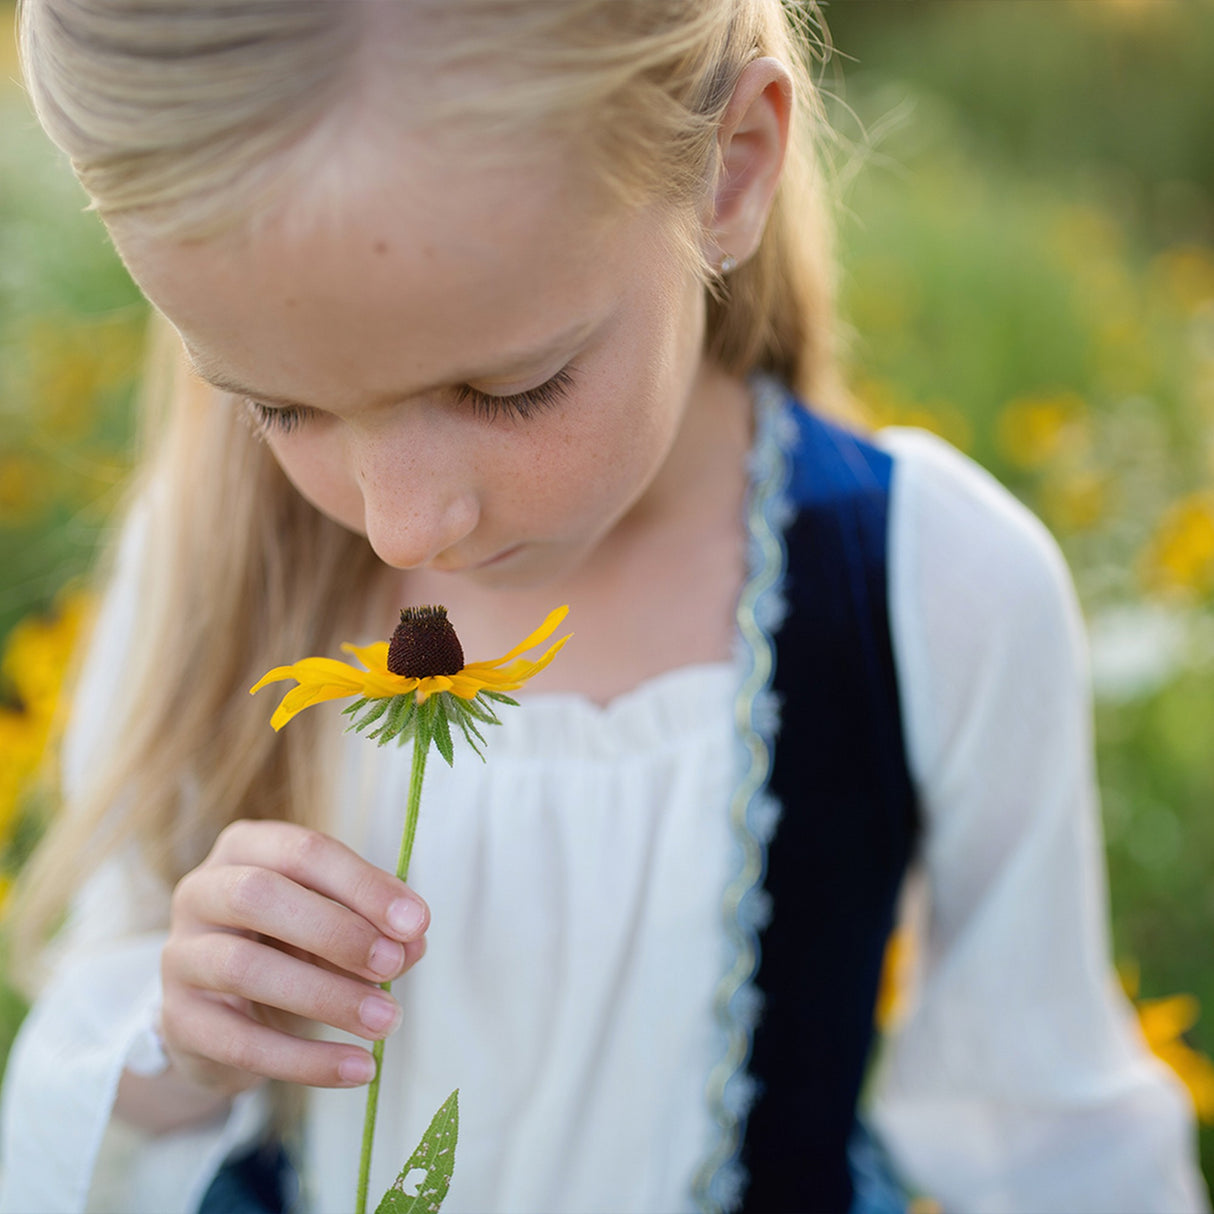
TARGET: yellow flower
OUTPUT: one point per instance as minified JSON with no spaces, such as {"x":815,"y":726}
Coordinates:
{"x":37,"y":654}
{"x":1032,"y":430}
{"x":895,"y":979}
{"x":322,"y":679}
{"x":1164,"y":1023}
{"x":1180,"y":556}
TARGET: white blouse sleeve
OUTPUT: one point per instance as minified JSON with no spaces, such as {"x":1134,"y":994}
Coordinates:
{"x":1017,"y":1081}
{"x":96,"y":1014}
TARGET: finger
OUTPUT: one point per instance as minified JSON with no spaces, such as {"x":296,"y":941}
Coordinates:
{"x":259,"y":900}
{"x":321,"y":863}
{"x":415,"y":950}
{"x":235,"y":965}
{"x":220,"y":1048}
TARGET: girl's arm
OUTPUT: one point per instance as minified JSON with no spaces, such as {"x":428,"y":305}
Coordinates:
{"x":1019,"y":1080}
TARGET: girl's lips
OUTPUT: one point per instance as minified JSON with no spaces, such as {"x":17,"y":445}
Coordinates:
{"x":501,"y":556}
{"x":504,"y":555}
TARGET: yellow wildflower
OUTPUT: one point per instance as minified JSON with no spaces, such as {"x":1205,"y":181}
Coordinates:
{"x":37,"y":653}
{"x":1164,"y":1023}
{"x":1032,"y":430}
{"x":1181,"y":554}
{"x":413,"y":688}
{"x":424,"y":659}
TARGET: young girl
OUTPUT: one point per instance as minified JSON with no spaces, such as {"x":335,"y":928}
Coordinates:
{"x":504,"y":304}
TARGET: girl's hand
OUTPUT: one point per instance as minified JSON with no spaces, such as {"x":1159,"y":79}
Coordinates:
{"x":279,"y":916}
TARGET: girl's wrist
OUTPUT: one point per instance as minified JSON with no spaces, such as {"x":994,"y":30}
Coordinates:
{"x":167,"y":1101}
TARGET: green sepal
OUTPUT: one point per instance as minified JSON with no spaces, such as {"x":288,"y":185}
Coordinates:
{"x":435,"y":1155}
{"x":497,"y":695}
{"x":440,"y":729}
{"x":377,"y":710}
{"x":399,"y":716}
{"x":476,"y":750}
{"x":351,"y":709}
{"x":465,"y":718}
{"x":467,"y":726}
{"x":423,"y":727}
{"x":481,"y":711}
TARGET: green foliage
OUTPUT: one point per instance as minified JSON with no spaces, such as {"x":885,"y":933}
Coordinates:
{"x":435,"y":1157}
{"x":71,"y":325}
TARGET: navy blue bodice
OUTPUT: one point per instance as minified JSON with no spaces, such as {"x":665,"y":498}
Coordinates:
{"x":847,"y":830}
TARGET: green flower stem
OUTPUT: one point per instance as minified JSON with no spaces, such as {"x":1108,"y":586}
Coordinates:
{"x":421,"y":748}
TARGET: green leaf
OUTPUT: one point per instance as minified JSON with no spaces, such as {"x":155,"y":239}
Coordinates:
{"x":435,"y":1156}
{"x":442,"y":731}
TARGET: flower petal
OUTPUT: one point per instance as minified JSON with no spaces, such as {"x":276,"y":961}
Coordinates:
{"x":373,"y":657}
{"x":376,"y":686}
{"x":542,"y":633}
{"x":304,"y":696}
{"x":466,"y":687}
{"x":517,"y":673}
{"x":432,"y":685}
{"x":314,"y":672}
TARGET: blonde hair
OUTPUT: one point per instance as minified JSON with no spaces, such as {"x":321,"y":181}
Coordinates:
{"x":191,"y":117}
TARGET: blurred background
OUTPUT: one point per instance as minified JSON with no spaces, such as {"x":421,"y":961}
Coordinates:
{"x":1028,"y":249}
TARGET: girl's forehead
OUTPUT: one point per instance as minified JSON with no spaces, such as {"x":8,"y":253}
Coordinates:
{"x":401,"y":276}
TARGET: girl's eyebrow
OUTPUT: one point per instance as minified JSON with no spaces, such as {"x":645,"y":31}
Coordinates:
{"x":224,"y":384}
{"x":567,"y":340}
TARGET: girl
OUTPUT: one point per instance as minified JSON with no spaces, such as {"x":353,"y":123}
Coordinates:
{"x":516,"y":297}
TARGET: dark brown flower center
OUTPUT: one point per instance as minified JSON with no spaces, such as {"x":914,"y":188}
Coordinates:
{"x":424,"y":644}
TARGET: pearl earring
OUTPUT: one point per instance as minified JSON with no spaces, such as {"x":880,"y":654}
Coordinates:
{"x":728,"y":264}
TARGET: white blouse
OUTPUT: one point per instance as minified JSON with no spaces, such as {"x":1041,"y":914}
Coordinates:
{"x":577,"y":938}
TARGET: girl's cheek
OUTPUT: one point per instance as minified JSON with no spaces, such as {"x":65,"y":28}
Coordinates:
{"x":319,"y":471}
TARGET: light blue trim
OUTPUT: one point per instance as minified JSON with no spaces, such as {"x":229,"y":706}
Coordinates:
{"x":720,"y":1181}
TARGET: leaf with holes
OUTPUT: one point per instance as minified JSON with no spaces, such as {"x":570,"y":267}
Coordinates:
{"x":435,"y":1157}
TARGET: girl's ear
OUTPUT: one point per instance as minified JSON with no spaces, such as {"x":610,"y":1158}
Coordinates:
{"x":752,"y":141}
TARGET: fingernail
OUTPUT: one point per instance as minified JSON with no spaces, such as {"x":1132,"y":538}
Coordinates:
{"x":387,"y":957}
{"x":358,"y":1068}
{"x":406,"y":916}
{"x":378,"y":1014}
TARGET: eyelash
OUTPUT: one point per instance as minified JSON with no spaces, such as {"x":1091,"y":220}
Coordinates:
{"x":521,"y":405}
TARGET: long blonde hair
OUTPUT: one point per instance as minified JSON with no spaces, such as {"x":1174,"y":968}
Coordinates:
{"x":191,"y":117}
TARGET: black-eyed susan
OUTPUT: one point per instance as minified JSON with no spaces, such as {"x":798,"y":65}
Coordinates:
{"x":415,"y":686}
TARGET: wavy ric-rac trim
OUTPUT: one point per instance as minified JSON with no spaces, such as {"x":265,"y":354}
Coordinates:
{"x":720,"y":1181}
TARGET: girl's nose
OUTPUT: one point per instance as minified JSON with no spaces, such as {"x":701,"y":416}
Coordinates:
{"x":416,"y":506}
